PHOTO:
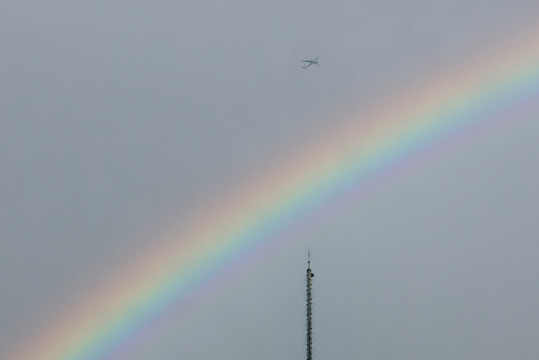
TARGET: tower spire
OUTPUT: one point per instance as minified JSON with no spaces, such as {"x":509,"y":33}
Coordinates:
{"x":310,"y":275}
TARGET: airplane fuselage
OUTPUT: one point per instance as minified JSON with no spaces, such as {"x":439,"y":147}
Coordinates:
{"x":310,"y":62}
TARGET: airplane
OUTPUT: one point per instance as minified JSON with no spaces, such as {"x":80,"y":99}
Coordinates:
{"x":310,"y":62}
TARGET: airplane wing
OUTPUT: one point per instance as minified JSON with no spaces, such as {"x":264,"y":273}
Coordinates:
{"x":306,"y":66}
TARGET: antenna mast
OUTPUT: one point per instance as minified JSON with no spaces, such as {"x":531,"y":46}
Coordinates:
{"x":310,"y":275}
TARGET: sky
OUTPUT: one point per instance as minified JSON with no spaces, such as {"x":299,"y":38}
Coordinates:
{"x":120,"y":119}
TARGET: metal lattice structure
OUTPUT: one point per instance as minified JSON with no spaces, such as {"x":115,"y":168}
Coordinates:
{"x":310,"y":275}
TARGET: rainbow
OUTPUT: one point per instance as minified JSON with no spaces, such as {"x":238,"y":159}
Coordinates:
{"x":321,"y":181}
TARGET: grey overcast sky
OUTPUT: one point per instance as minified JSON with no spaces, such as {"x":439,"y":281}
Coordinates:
{"x":119,"y":118}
